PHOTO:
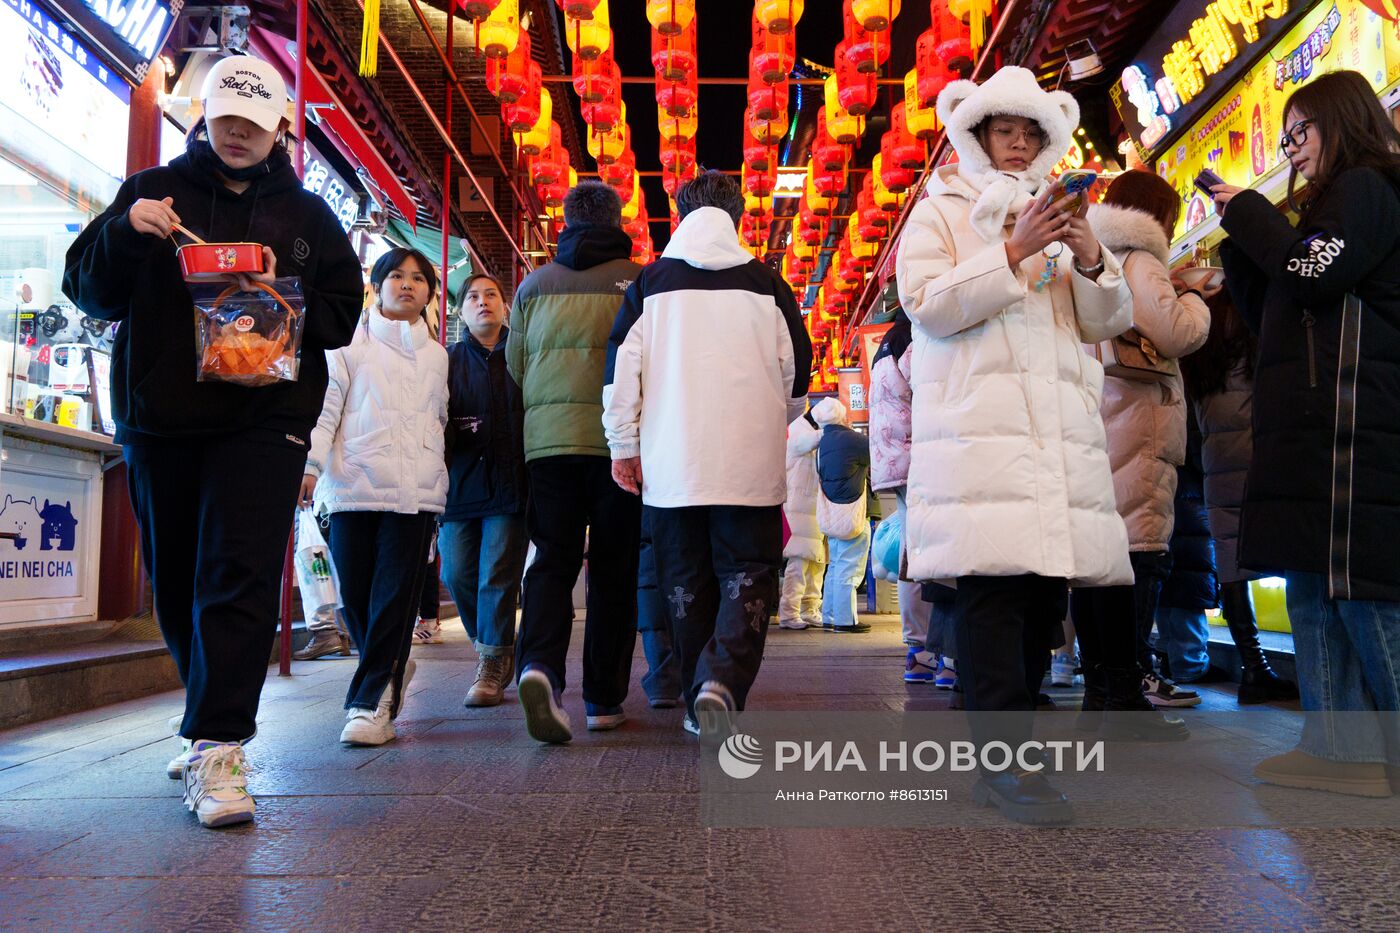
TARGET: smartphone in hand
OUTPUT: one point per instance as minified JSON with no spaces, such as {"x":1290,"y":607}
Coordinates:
{"x":1071,"y":190}
{"x":1207,"y":180}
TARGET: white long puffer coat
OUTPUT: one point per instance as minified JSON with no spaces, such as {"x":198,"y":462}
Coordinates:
{"x":1146,"y":421}
{"x":1008,"y":471}
{"x":378,"y":446}
{"x":803,"y":487}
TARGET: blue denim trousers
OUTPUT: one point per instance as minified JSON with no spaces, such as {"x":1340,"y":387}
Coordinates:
{"x":1182,"y":634}
{"x":482,"y":562}
{"x":1348,"y":657}
{"x":844,"y":571}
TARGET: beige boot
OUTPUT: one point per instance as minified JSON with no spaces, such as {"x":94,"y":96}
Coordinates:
{"x":321,"y":644}
{"x":1299,"y":769}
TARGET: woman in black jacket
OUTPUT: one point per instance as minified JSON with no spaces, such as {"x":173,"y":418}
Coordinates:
{"x":1323,"y":502}
{"x":214,"y":467}
{"x":1220,"y":383}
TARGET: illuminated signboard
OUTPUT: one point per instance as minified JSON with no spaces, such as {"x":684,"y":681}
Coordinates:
{"x":129,"y":33}
{"x":1237,"y":137}
{"x":1200,"y":49}
{"x":320,"y":179}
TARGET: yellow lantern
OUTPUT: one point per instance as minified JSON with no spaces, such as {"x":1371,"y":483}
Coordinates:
{"x":676,"y":130}
{"x":498,"y":33}
{"x":975,"y":13}
{"x":859,"y":247}
{"x":755,"y":206}
{"x":634,"y":203}
{"x":537,"y":139}
{"x":821,"y":206}
{"x":922,"y":121}
{"x":875,"y":15}
{"x":589,"y":38}
{"x":670,"y":17}
{"x":804,"y":250}
{"x":840,"y":125}
{"x":778,"y":16}
{"x":885,"y":199}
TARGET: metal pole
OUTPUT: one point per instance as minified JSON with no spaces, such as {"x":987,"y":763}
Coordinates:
{"x":443,"y":294}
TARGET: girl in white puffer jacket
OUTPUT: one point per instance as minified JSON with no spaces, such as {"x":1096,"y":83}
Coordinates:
{"x":801,"y":602}
{"x":377,"y":466}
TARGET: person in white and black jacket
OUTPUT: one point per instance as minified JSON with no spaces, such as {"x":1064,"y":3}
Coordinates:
{"x":1322,"y":502}
{"x":708,"y":362}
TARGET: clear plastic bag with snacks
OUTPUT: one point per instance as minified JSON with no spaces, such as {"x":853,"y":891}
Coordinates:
{"x":249,"y":338}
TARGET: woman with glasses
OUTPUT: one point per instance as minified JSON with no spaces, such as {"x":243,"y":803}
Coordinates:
{"x":1322,"y":505}
{"x":1009,"y":491}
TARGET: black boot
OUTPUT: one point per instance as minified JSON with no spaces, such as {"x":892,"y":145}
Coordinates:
{"x":1258,"y":682}
{"x":1023,"y":796}
{"x":1095,"y":692}
{"x":1128,"y":716}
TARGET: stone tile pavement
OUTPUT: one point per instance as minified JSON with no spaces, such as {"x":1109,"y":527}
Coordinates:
{"x":464,"y":823}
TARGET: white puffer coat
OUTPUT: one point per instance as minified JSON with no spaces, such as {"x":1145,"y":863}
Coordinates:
{"x":1008,"y":467}
{"x":378,"y":446}
{"x":1146,"y":421}
{"x":803,"y":487}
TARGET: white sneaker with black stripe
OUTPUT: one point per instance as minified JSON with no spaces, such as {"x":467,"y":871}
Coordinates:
{"x":216,"y":784}
{"x":1162,"y":692}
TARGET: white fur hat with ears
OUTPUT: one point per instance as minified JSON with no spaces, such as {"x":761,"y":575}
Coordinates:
{"x":1012,"y":91}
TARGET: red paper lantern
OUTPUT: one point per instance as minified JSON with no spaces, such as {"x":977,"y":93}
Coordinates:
{"x":604,"y":113}
{"x":905,"y":150}
{"x":679,"y":158}
{"x":511,"y":78}
{"x":865,"y":51}
{"x":830,"y":184}
{"x":757,"y":156}
{"x":619,"y":173}
{"x":772,"y":56}
{"x":932,"y":71}
{"x":768,"y":132}
{"x":760,"y":184}
{"x":753,"y":230}
{"x":677,"y":98}
{"x":855,"y":91}
{"x":552,"y":164}
{"x":524,"y":112}
{"x":767,"y":101}
{"x":673,"y":57}
{"x":673,"y":179}
{"x":598,"y":79}
{"x":953,"y":39}
{"x":827,"y":154}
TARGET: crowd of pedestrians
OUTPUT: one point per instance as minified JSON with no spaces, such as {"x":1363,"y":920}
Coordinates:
{"x":1065,"y":426}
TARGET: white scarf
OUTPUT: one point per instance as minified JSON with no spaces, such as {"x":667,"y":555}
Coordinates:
{"x":1000,"y":195}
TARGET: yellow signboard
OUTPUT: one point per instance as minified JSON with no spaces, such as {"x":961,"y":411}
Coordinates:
{"x":1238,"y":137}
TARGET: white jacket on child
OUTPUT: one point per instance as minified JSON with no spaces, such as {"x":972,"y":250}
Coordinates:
{"x":378,"y":446}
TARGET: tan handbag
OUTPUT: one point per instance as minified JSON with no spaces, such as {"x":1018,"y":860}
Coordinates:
{"x":1132,"y":356}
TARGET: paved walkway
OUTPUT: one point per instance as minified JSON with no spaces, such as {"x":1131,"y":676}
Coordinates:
{"x":466,"y":824}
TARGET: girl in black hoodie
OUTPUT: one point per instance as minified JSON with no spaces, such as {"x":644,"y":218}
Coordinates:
{"x":1322,"y":501}
{"x":214,"y":468}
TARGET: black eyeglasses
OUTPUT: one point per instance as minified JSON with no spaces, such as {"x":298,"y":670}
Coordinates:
{"x":1295,"y":136}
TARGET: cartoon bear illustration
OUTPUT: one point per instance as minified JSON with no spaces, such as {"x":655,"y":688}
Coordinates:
{"x":60,"y":527}
{"x":19,"y":521}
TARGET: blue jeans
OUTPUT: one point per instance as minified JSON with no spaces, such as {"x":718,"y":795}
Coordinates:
{"x":482,"y":561}
{"x":1182,"y":634}
{"x":844,"y":571}
{"x":1348,"y":657}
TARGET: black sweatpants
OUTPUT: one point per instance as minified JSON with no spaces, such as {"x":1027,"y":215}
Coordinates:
{"x":571,"y":496}
{"x":717,"y":567}
{"x":381,"y":559}
{"x":1004,"y":629}
{"x":215,"y":515}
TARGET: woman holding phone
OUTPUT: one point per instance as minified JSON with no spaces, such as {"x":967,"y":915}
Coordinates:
{"x":1010,"y":492}
{"x":1321,"y":506}
{"x":213,"y":467}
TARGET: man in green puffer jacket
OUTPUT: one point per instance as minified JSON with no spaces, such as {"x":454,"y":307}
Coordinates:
{"x":557,"y":351}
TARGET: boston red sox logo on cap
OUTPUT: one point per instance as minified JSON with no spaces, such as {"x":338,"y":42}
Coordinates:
{"x":244,"y":86}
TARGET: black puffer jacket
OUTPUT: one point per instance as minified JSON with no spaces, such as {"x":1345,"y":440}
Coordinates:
{"x":1192,"y":584}
{"x":116,"y":274}
{"x":486,"y":433}
{"x":1324,"y":485}
{"x":1227,"y":444}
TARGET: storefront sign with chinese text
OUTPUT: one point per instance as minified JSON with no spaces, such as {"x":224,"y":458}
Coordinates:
{"x":129,"y":33}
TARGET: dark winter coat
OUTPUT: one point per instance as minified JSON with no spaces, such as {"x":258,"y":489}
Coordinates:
{"x":843,"y":463}
{"x":486,"y":433}
{"x":116,"y":274}
{"x":1193,"y":584}
{"x":1227,"y":444}
{"x":1324,"y":485}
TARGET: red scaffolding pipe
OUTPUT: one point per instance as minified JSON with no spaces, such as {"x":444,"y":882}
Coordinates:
{"x":443,"y":293}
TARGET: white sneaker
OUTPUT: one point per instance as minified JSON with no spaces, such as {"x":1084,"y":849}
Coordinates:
{"x":427,"y":632}
{"x":174,"y":723}
{"x":175,"y":769}
{"x":368,"y":727}
{"x":713,"y":705}
{"x":216,"y":784}
{"x":794,"y":624}
{"x":1062,"y":670}
{"x":545,"y":719}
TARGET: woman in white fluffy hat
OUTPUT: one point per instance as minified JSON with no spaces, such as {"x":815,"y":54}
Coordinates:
{"x":1010,"y":492}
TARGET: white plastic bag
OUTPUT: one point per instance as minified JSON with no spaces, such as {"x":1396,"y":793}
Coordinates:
{"x":316,"y":576}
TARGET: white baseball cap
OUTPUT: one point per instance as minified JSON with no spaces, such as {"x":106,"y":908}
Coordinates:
{"x":244,"y":86}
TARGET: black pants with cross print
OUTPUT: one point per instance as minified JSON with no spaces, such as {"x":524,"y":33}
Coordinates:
{"x":717,"y":568}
